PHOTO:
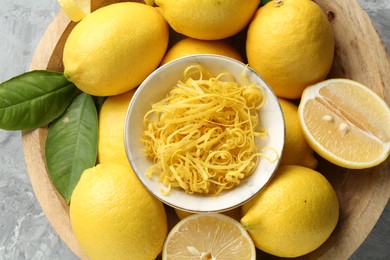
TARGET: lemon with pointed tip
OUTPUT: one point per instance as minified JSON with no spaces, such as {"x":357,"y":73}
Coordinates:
{"x":113,"y":49}
{"x":294,"y":214}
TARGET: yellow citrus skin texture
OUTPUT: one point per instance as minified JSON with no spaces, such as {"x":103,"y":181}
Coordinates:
{"x":112,"y":116}
{"x":294,"y":214}
{"x":114,"y":217}
{"x":189,"y":46}
{"x":296,"y":150}
{"x":290,"y":43}
{"x":208,"y":19}
{"x":113,"y":49}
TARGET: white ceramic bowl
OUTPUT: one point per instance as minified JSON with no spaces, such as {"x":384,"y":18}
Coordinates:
{"x":156,"y":87}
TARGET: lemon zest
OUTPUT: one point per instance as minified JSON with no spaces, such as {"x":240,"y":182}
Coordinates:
{"x":201,"y":136}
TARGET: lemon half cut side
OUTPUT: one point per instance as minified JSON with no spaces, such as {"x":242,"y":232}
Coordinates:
{"x":208,"y":236}
{"x":346,"y":123}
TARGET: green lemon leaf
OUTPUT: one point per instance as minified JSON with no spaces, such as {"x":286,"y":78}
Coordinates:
{"x":71,"y":144}
{"x":99,"y":101}
{"x":34,"y":99}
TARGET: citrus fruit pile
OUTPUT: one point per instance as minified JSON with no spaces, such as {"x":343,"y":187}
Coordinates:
{"x":113,"y":48}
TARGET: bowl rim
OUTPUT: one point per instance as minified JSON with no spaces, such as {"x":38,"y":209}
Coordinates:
{"x":164,"y":198}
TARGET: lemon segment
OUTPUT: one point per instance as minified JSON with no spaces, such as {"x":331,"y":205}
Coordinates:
{"x":208,"y":236}
{"x":75,"y":9}
{"x":339,"y":117}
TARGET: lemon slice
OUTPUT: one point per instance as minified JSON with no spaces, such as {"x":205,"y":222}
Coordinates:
{"x":346,"y":123}
{"x":75,"y":9}
{"x":208,"y":236}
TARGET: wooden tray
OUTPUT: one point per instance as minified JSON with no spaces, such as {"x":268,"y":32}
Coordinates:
{"x":363,"y":194}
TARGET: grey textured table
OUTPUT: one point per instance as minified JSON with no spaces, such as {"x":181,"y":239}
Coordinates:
{"x":25,"y":232}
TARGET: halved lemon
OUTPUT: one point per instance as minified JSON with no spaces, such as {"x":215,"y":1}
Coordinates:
{"x":346,"y":123}
{"x":208,"y":236}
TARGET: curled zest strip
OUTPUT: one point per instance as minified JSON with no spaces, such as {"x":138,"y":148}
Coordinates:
{"x":202,"y":135}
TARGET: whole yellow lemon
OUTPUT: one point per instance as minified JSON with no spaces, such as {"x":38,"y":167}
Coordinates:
{"x":113,"y":49}
{"x":296,"y":150}
{"x":294,"y":214}
{"x":208,"y":19}
{"x":112,"y":114}
{"x":189,"y":46}
{"x":290,"y":43}
{"x":114,"y":217}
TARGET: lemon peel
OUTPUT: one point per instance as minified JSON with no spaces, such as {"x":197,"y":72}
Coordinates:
{"x":202,"y":135}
